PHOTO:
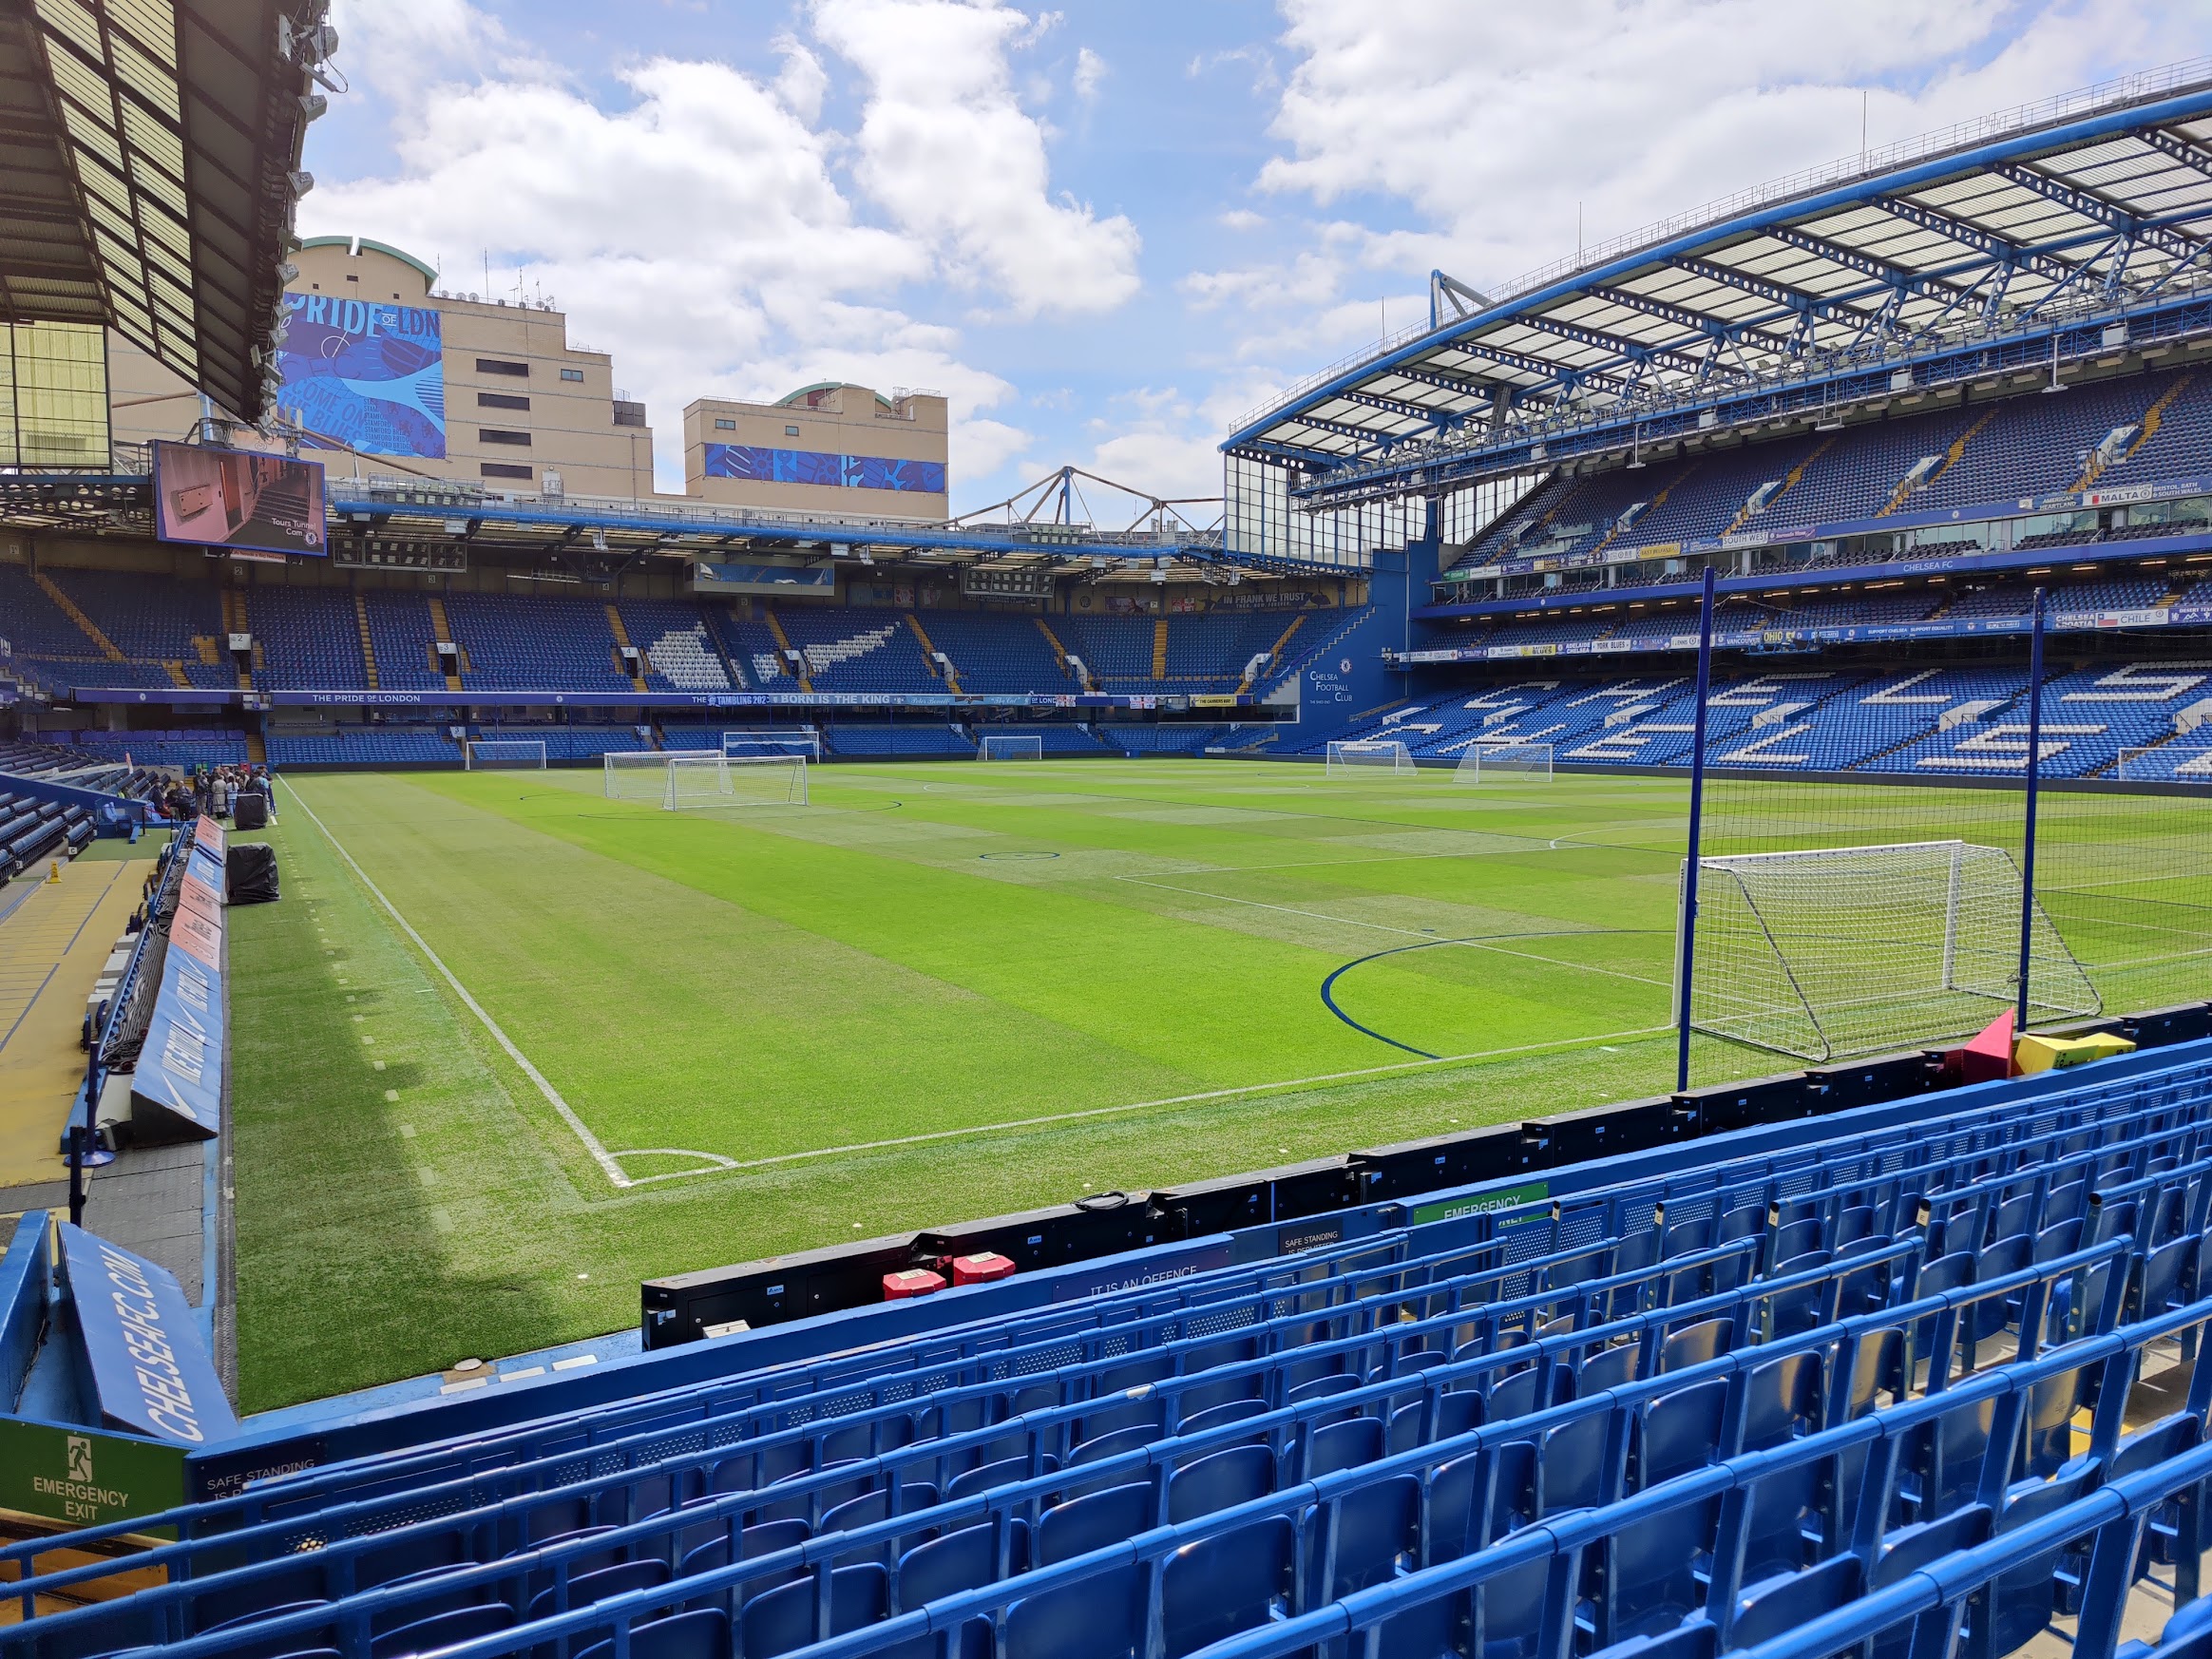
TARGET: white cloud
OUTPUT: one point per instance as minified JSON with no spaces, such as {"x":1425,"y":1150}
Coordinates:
{"x":1239,"y":218}
{"x":1091,"y":72}
{"x":945,"y":149}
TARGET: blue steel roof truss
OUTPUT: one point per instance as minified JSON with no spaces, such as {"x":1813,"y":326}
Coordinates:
{"x":1980,"y":248}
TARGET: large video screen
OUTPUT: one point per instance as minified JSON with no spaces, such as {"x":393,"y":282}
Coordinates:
{"x":365,"y":376}
{"x":237,"y":498}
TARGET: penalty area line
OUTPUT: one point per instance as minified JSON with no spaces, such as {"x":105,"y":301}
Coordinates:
{"x":605,"y":1160}
{"x":1013,"y":1123}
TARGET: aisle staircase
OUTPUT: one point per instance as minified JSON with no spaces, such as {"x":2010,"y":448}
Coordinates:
{"x":782,"y":645}
{"x":1059,"y":653}
{"x":1657,"y":502}
{"x":235,"y":620}
{"x":67,"y":606}
{"x":945,"y":669}
{"x":622,"y":643}
{"x":1160,"y":649}
{"x":1789,"y":481}
{"x":443,"y":632}
{"x":368,"y":646}
{"x":1274,"y":653}
{"x":2153,"y":418}
{"x":1907,"y":487}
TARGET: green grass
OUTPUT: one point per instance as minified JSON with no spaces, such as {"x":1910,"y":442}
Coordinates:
{"x":1036,"y":966}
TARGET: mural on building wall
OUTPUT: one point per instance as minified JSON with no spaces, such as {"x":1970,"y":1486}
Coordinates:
{"x":815,"y":467}
{"x":365,"y":376}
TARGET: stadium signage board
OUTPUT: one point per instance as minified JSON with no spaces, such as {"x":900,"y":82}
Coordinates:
{"x":1481,"y":1203}
{"x":149,"y":1368}
{"x":1111,"y":1278}
{"x":439,"y":699}
{"x":66,"y":1473}
{"x":181,"y":1066}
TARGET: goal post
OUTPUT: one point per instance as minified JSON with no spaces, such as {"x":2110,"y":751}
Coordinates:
{"x":504,"y":754}
{"x":1367,"y":755}
{"x":642,"y":775}
{"x":1832,"y":952}
{"x":2166,"y":763}
{"x":800,"y":740}
{"x":1484,"y":762}
{"x":1025,"y":746}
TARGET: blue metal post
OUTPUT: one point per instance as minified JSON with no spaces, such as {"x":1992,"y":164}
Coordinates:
{"x":2034,"y":778}
{"x":1684,"y":968}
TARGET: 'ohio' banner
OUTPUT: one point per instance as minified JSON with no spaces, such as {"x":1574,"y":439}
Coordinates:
{"x":364,"y":376}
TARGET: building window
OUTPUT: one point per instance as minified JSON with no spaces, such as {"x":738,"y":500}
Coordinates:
{"x":501,"y":400}
{"x":723,"y":423}
{"x":54,"y":396}
{"x":629,"y":414}
{"x":576,"y":375}
{"x":493,"y":436}
{"x":507,"y":469}
{"x":790,"y":431}
{"x":501,"y":366}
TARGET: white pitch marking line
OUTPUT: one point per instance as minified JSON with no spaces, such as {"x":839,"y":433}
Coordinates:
{"x":591,"y":1142}
{"x":1013,"y":1124}
{"x":1411,"y":933}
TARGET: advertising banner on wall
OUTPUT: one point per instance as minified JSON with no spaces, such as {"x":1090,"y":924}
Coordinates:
{"x":363,"y":376}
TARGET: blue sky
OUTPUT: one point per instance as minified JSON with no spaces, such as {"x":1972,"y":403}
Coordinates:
{"x":1108,"y":228}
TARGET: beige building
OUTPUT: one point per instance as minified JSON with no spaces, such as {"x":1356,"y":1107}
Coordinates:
{"x":826,"y":448}
{"x":398,"y":379}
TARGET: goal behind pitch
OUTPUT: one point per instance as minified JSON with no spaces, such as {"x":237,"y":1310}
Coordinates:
{"x":2165,"y":763}
{"x":1022,"y":747}
{"x":1852,"y":950}
{"x":1366,"y":755}
{"x":504,"y":754}
{"x":801,"y":740}
{"x":1483,"y":762}
{"x":676,"y":779}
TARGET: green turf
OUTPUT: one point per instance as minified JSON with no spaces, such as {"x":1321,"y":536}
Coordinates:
{"x":939,"y":991}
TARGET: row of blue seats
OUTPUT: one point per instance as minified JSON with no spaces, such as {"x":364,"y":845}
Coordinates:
{"x":1435,"y":1368}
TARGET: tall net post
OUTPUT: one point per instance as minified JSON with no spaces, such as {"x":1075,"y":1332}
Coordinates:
{"x":2027,"y":826}
{"x":1685,"y":963}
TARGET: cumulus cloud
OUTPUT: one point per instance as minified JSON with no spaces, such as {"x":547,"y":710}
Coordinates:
{"x":946,"y":150}
{"x":1091,"y":72}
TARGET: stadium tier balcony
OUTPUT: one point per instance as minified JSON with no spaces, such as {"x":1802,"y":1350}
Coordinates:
{"x":1930,"y":1345}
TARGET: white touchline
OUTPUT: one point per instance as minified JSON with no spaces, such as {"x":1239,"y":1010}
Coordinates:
{"x":591,"y":1142}
{"x":1011,"y":1123}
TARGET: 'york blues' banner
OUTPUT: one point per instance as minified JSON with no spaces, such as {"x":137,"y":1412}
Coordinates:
{"x":365,"y":376}
{"x":149,"y":1367}
{"x":816,"y":467}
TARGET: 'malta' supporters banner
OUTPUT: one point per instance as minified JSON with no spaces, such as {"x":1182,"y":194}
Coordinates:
{"x":149,"y":1367}
{"x":364,"y":376}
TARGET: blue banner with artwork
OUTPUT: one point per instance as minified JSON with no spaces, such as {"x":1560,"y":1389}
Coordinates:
{"x":365,"y":376}
{"x":762,"y":465}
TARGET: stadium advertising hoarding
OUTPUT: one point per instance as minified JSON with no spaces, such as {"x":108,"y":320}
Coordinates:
{"x":238,"y":498}
{"x":149,"y":1367}
{"x":365,"y":376}
{"x":181,"y":1066}
{"x":757,"y":464}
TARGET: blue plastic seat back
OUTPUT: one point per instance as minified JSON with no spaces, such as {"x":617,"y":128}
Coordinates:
{"x":1695,"y":1344}
{"x":1785,"y":1524}
{"x":1236,"y":1476}
{"x":1213,"y":1417}
{"x":1378,"y":1530}
{"x":1680,"y":1432}
{"x":1224,"y":1584}
{"x":1135,"y":1437}
{"x":1608,"y":1368}
{"x":779,"y":1620}
{"x":1343,"y":1445}
{"x":1458,"y":1411}
{"x":1776,"y":1606}
{"x":702,"y":1633}
{"x":1783,"y":1398}
{"x":1577,"y":1465}
{"x":2020,"y":1605}
{"x":1000,"y":1474}
{"x":1651,"y":1582}
{"x":1093,"y":1521}
{"x":965,"y":1560}
{"x":753,"y":1543}
{"x":1789,"y":1312}
{"x":1993,"y":1314}
{"x":272,"y":1646}
{"x":586,"y":1588}
{"x":1100,"y":1617}
{"x":443,"y":1630}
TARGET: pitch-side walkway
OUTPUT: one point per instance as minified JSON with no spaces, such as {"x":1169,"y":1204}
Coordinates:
{"x":54,"y":938}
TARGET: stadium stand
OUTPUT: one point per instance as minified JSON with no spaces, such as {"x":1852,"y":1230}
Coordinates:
{"x":1807,"y":1369}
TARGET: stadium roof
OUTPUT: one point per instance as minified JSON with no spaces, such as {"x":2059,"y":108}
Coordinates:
{"x":2097,"y":202}
{"x":149,"y":156}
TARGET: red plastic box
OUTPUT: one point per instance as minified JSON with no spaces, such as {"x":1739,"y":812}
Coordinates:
{"x":912,"y":1282}
{"x":981,"y":1269}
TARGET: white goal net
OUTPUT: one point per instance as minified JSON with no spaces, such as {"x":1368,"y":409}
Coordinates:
{"x":802,"y":740}
{"x":1483,"y":762}
{"x":1030,"y":747}
{"x":642,"y":774}
{"x":1367,"y":755}
{"x":2166,"y":763}
{"x":1851,"y":950}
{"x":505,"y":754}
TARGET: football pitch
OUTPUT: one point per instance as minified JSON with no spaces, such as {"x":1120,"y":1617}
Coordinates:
{"x":507,"y":1047}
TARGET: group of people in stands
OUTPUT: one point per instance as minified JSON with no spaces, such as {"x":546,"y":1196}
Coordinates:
{"x":214,"y":790}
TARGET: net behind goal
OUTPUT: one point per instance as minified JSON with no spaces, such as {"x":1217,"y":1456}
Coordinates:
{"x":1851,"y":950}
{"x":642,"y":776}
{"x":1481,"y":762}
{"x":1019,"y":748}
{"x":505,"y":754}
{"x":1367,"y":755}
